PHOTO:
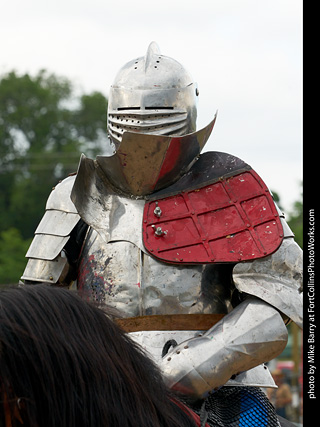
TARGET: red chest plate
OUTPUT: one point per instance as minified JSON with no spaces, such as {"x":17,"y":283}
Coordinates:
{"x":231,"y":220}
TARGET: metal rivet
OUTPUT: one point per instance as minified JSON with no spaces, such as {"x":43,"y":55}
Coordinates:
{"x":157,"y":211}
{"x":158,"y":231}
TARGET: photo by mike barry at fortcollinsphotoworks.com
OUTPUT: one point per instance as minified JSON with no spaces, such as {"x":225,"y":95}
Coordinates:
{"x":310,"y":309}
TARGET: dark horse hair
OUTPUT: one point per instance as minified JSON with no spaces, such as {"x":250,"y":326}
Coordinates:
{"x":63,"y":362}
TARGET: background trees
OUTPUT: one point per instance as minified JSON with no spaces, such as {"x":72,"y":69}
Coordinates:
{"x":45,"y":124}
{"x":44,"y":127}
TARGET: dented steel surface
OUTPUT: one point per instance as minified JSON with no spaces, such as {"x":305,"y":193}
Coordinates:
{"x":120,"y":275}
{"x":276,"y":279}
{"x":234,"y":344}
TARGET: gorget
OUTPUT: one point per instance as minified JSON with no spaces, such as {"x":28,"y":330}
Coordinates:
{"x":146,"y":163}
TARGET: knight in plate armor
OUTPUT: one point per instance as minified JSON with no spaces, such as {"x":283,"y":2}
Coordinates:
{"x":189,"y":249}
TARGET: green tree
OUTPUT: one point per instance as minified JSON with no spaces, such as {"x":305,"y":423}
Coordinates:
{"x":12,"y":256}
{"x":44,"y":127}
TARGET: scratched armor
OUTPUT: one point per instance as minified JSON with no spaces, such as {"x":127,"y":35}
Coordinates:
{"x":188,"y":249}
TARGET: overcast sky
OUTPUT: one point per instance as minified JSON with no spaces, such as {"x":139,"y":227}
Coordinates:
{"x":245,"y":55}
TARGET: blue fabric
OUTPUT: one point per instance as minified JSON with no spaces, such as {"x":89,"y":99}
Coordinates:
{"x":252,"y":412}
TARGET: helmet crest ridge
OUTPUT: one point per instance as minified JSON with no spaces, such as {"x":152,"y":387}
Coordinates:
{"x":153,"y":49}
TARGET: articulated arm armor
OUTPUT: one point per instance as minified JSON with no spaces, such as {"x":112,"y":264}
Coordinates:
{"x":55,"y":248}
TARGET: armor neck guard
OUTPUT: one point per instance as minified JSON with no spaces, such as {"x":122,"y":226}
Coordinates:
{"x":146,"y":163}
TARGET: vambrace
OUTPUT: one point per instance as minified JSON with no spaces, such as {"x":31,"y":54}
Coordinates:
{"x":251,"y":334}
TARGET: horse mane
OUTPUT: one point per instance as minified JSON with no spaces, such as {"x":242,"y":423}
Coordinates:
{"x":63,"y":362}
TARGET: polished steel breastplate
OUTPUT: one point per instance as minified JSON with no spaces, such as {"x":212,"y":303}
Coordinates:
{"x":121,"y":275}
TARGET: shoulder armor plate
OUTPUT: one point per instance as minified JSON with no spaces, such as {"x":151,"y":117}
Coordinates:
{"x":59,"y":198}
{"x":59,"y":220}
{"x":227,"y":218}
{"x":38,"y":270}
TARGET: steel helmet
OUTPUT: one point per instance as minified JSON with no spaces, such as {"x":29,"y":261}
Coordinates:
{"x":153,"y":94}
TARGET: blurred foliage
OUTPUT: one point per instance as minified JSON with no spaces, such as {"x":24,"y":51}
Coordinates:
{"x":12,"y":255}
{"x":44,"y":127}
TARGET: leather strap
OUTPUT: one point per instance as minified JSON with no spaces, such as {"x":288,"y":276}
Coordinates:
{"x":169,"y":322}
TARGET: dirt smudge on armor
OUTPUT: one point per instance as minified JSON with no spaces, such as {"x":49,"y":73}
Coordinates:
{"x":91,"y":282}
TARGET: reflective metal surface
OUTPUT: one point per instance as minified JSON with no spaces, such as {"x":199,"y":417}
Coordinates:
{"x":152,"y":94}
{"x":46,"y":246}
{"x":120,"y":275}
{"x":57,"y":222}
{"x":240,"y":341}
{"x":286,"y":229}
{"x":53,"y":232}
{"x":60,"y":196}
{"x":153,"y":343}
{"x":38,"y":270}
{"x":145,"y":163}
{"x":113,"y":216}
{"x":276,"y":279}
